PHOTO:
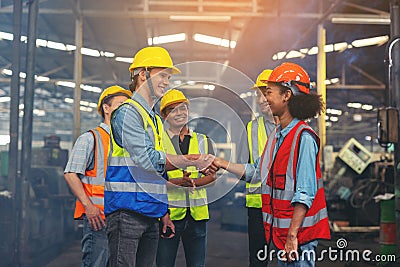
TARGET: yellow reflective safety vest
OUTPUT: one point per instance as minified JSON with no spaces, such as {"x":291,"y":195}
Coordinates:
{"x":179,"y":198}
{"x":129,"y":186}
{"x":256,"y":138}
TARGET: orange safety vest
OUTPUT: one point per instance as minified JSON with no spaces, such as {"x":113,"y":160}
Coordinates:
{"x":93,"y":181}
{"x":279,"y":189}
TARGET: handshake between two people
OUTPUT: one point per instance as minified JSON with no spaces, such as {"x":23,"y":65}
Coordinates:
{"x":206,"y":164}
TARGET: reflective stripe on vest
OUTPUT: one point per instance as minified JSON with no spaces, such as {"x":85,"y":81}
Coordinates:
{"x":277,"y":208}
{"x":93,"y":180}
{"x":129,"y":186}
{"x":256,"y":138}
{"x":179,"y":198}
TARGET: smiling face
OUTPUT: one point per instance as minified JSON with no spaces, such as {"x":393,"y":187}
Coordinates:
{"x":278,"y":102}
{"x":176,"y":115}
{"x":160,"y":80}
{"x":261,"y":94}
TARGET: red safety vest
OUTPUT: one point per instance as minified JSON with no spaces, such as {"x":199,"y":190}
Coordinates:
{"x":93,"y":181}
{"x":279,"y":190}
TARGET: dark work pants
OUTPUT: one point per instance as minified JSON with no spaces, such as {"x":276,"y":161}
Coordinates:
{"x":256,"y":237}
{"x":132,"y":239}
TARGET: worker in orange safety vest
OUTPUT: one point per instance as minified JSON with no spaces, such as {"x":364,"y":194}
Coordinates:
{"x":85,"y":174}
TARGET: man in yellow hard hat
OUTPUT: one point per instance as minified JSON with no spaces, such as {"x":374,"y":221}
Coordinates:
{"x":135,"y":191}
{"x":188,"y":210}
{"x":85,"y":173}
{"x":257,"y":132}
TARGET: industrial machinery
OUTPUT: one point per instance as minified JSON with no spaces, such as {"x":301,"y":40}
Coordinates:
{"x":48,"y":224}
{"x":356,"y":178}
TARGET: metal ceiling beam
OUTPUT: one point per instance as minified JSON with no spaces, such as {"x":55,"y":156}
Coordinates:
{"x":364,"y":8}
{"x":356,"y":87}
{"x":367,"y":75}
{"x":165,"y":14}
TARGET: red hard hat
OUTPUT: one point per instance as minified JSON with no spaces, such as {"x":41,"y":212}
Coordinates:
{"x":292,"y":76}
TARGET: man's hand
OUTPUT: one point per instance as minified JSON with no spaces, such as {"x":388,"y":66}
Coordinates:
{"x":94,"y":216}
{"x":291,"y":249}
{"x":167,"y":223}
{"x":186,"y":180}
{"x":204,"y":161}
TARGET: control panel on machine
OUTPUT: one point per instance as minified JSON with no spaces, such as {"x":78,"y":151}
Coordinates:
{"x":355,"y":155}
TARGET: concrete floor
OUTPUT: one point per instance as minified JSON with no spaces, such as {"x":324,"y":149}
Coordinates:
{"x":230,"y":248}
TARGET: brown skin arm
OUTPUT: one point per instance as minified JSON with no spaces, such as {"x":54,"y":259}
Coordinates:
{"x":92,"y":212}
{"x":235,"y":168}
{"x":297,"y":219}
{"x":185,"y":181}
{"x":202,"y":161}
{"x":207,"y":179}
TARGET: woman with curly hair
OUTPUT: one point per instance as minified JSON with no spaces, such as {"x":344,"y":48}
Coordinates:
{"x":293,"y":200}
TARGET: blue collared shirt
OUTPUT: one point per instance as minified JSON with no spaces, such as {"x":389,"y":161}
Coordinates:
{"x":129,"y":133}
{"x":306,"y":181}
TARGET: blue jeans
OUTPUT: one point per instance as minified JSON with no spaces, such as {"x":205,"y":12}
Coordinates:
{"x":94,"y":246}
{"x":306,"y":261}
{"x":194,"y":238}
{"x":132,"y":239}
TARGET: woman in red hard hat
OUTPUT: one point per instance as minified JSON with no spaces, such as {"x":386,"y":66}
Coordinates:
{"x":293,"y":200}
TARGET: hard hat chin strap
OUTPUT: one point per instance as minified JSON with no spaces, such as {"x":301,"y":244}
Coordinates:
{"x":150,"y":85}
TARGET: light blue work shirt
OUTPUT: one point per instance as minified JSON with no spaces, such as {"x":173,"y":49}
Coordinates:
{"x":306,"y":181}
{"x":129,"y":133}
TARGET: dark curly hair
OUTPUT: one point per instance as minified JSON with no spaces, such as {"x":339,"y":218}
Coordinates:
{"x":304,"y":106}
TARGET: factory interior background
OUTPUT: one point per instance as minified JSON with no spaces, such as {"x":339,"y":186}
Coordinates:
{"x":349,"y":49}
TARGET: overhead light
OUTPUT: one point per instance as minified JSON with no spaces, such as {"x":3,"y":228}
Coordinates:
{"x":214,"y":40}
{"x":332,"y":81}
{"x":91,"y":88}
{"x":7,"y":72}
{"x":83,"y":86}
{"x":85,"y":109}
{"x":42,"y":78}
{"x":106,"y":54}
{"x":41,"y":42}
{"x":354,"y":105}
{"x":379,"y":40}
{"x":294,"y":54}
{"x":66,"y":84}
{"x":357,"y":117}
{"x":124,"y":59}
{"x":338,"y":47}
{"x":6,"y":36}
{"x":39,"y":112}
{"x":367,"y":107}
{"x":210,"y":87}
{"x":90,"y":52}
{"x":334,"y":111}
{"x":4,"y":139}
{"x":360,"y":19}
{"x":70,"y":47}
{"x":68,"y":100}
{"x":200,"y":18}
{"x":56,"y":45}
{"x":5,"y":99}
{"x":164,"y":39}
{"x":313,"y":50}
{"x":333,"y":119}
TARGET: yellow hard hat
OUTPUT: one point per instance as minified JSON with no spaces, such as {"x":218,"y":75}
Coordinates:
{"x":171,"y":97}
{"x":153,"y":56}
{"x":262,"y":79}
{"x":111,"y":91}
